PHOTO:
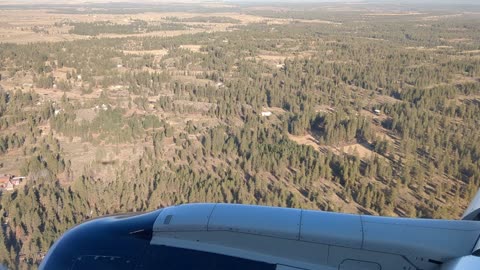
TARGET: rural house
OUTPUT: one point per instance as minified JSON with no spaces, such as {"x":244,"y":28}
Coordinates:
{"x":9,"y":182}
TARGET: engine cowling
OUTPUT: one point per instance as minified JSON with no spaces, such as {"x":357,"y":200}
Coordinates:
{"x":112,"y":242}
{"x":464,"y":263}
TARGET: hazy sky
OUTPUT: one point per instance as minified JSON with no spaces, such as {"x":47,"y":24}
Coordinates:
{"x":234,"y":1}
{"x":396,"y":2}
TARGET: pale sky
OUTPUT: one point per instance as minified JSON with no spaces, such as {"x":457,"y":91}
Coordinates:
{"x":404,"y":3}
{"x":237,"y":1}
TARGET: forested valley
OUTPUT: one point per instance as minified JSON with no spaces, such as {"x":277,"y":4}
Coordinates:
{"x":330,"y":110}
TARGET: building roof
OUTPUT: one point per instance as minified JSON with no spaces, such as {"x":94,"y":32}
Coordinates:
{"x":9,"y":186}
{"x":4,"y":179}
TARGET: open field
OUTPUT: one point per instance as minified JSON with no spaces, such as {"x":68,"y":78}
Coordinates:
{"x":25,"y":26}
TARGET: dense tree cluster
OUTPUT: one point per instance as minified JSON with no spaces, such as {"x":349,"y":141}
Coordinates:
{"x":136,"y":26}
{"x":194,"y":119}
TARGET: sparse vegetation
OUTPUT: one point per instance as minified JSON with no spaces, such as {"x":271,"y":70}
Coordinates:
{"x":134,"y":123}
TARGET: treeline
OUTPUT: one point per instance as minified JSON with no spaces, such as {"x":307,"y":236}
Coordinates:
{"x":10,"y":142}
{"x":134,"y":27}
{"x":26,"y":214}
{"x":13,"y":109}
{"x":437,"y":130}
{"x":110,"y":125}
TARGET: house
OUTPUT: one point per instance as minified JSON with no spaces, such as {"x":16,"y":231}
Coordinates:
{"x":266,"y":113}
{"x":9,"y":182}
{"x":5,"y":183}
{"x":17,"y":180}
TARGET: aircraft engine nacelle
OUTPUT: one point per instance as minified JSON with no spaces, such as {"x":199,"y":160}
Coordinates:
{"x":113,"y":242}
{"x":237,"y":237}
{"x":463,"y":263}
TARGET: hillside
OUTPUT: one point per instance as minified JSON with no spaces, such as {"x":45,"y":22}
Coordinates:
{"x":352,"y":108}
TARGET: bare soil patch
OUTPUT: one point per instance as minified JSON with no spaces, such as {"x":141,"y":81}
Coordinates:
{"x":152,"y":52}
{"x":358,"y":150}
{"x":193,"y":48}
{"x":305,"y":140}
